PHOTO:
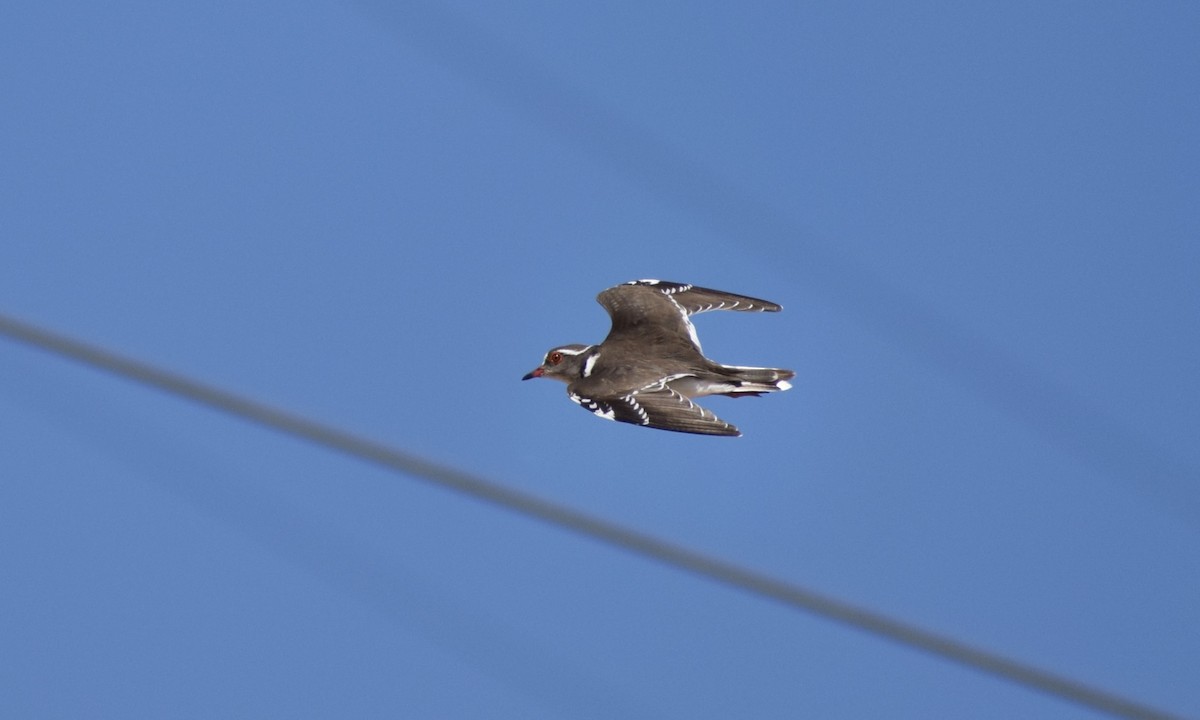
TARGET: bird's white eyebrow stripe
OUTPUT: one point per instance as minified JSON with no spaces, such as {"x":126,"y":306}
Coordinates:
{"x":589,"y":364}
{"x":569,"y":351}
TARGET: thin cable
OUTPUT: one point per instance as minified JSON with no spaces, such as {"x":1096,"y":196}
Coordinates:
{"x":580,"y":523}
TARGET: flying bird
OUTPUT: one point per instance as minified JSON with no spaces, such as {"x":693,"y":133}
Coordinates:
{"x":650,"y":367}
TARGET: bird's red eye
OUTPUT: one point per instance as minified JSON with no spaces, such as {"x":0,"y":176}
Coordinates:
{"x":554,"y":358}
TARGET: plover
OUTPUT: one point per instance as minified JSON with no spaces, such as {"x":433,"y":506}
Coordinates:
{"x":650,"y":367}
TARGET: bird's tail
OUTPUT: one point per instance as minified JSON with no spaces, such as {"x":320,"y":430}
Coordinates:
{"x":752,"y":381}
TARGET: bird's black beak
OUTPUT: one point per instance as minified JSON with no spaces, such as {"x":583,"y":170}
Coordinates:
{"x":536,"y":372}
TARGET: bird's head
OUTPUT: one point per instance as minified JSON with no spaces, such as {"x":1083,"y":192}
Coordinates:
{"x":561,"y":363}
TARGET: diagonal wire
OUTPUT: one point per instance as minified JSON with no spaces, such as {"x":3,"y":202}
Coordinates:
{"x":581,"y":523}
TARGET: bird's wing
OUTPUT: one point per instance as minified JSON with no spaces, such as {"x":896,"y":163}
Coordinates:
{"x":693,"y":299}
{"x":657,"y":406}
{"x":657,"y":312}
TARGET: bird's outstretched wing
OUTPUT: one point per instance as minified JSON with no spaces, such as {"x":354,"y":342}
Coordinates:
{"x":694,"y":299}
{"x":660,"y":309}
{"x":657,"y":406}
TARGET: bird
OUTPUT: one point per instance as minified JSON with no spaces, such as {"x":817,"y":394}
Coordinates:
{"x":650,"y":367}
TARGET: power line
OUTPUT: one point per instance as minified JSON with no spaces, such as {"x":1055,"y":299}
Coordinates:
{"x":581,"y":523}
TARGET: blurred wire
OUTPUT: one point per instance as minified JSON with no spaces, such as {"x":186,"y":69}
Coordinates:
{"x":467,"y":629}
{"x":1065,"y":418}
{"x":581,"y":523}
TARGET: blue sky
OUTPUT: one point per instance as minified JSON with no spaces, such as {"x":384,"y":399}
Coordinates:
{"x":981,"y":222}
